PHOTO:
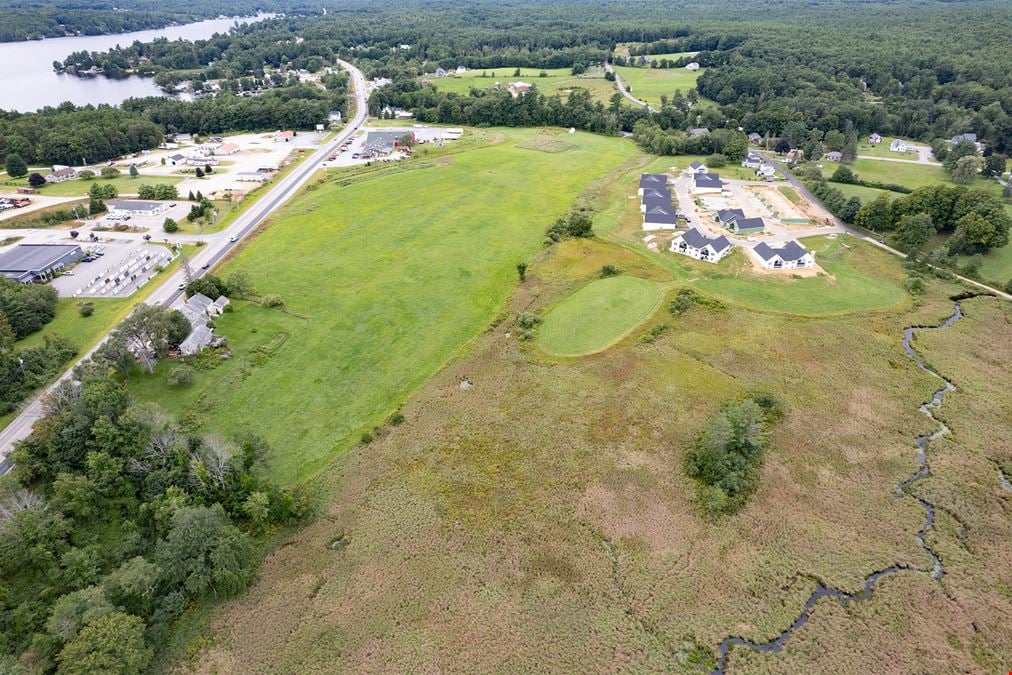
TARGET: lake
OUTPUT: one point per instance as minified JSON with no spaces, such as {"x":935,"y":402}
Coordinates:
{"x":28,"y":82}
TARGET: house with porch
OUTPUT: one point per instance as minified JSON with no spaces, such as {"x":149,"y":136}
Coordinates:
{"x":695,"y":244}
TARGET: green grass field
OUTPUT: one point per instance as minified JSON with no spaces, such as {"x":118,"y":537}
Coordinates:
{"x":906,"y":174}
{"x":556,"y":81}
{"x":599,"y":315}
{"x":125,"y":185}
{"x":390,"y":290}
{"x":649,"y":84}
{"x":882,"y":149}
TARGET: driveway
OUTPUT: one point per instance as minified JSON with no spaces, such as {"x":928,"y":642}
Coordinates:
{"x":621,"y":87}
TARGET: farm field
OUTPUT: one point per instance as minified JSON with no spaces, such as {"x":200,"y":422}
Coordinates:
{"x":556,"y":81}
{"x":385,"y":301}
{"x":902,"y":173}
{"x":649,"y":84}
{"x":538,"y":519}
{"x":598,"y":315}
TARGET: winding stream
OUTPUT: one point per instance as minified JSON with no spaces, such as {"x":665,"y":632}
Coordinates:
{"x":923,"y":470}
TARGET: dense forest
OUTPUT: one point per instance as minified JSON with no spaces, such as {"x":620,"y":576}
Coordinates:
{"x":37,"y":19}
{"x":116,"y":519}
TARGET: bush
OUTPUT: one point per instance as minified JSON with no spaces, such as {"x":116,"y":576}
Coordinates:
{"x":528,"y":320}
{"x":522,"y":270}
{"x":86,"y":174}
{"x":170,"y":226}
{"x":273,"y":300}
{"x":609,"y":271}
{"x":915,"y":285}
{"x":715,"y":161}
{"x":180,"y":376}
{"x":110,"y":172}
{"x":85,"y":309}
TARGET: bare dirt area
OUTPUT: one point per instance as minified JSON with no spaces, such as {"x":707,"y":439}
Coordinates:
{"x":539,"y":519}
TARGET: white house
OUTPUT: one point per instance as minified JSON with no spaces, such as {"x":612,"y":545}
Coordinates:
{"x":791,"y":255}
{"x":874,"y":139}
{"x":697,"y":167}
{"x":692,"y":66}
{"x":752,"y":161}
{"x":660,"y":216}
{"x":899,"y":145}
{"x":766,"y":171}
{"x":202,"y":161}
{"x":62,"y":174}
{"x":834,"y":156}
{"x":461,"y":70}
{"x":697,"y":245}
{"x":706,"y":183}
{"x":136,"y":207}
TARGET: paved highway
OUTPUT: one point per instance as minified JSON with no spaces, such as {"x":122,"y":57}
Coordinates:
{"x":169,"y":293}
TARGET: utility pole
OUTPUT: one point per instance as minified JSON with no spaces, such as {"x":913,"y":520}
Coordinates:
{"x":187,"y":272}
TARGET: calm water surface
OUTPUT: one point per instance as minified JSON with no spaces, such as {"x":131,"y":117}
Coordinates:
{"x":27,"y":80}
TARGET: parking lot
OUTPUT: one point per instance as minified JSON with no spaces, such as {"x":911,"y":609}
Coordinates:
{"x":423,"y":135}
{"x":117,"y":269}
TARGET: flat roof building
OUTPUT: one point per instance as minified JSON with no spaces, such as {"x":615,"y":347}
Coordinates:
{"x":137,"y":207}
{"x":26,"y":263}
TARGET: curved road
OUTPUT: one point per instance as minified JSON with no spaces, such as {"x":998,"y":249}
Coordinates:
{"x":621,"y":87}
{"x":169,"y":293}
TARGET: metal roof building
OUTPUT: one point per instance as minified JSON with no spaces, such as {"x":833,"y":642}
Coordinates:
{"x":26,"y":263}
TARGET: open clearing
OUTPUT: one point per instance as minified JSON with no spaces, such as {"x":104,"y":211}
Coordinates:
{"x":649,"y":84}
{"x":390,"y":289}
{"x":556,"y":81}
{"x":599,"y":315}
{"x":538,"y":519}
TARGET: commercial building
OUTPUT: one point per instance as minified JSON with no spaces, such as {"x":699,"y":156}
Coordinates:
{"x":26,"y":263}
{"x":136,"y":208}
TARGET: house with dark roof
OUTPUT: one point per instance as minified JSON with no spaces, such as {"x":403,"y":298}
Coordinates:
{"x":791,"y":255}
{"x":747,"y":226}
{"x":26,"y":263}
{"x":834,"y":156}
{"x":727,"y":216}
{"x":651,"y":181}
{"x":697,"y":167}
{"x":706,"y":183}
{"x":695,"y":244}
{"x":653,"y":197}
{"x":659,"y":216}
{"x":753,"y":160}
{"x":959,"y":138}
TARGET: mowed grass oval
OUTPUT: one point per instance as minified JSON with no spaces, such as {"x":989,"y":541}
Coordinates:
{"x":599,"y":315}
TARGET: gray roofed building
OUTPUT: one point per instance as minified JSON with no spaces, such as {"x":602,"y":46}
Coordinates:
{"x":698,"y":131}
{"x":706,"y":182}
{"x":755,"y":138}
{"x":746,"y":225}
{"x":834,"y":156}
{"x":384,"y":142}
{"x":26,"y":263}
{"x":198,"y":338}
{"x":660,"y":217}
{"x":790,"y":255}
{"x":651,"y":181}
{"x":959,"y":138}
{"x":727,"y":216}
{"x":136,"y":207}
{"x":695,"y":244}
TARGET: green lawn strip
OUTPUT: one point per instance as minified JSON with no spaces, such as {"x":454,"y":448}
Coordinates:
{"x":995,"y":265}
{"x":125,"y":185}
{"x":390,"y":292}
{"x":598,"y":315}
{"x":649,"y":84}
{"x":790,"y":193}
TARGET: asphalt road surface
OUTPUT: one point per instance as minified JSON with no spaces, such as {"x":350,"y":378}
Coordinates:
{"x":169,"y":293}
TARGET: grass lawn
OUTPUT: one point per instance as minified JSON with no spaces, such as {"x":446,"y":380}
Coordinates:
{"x":995,"y":266}
{"x":556,"y":81}
{"x":125,"y":185}
{"x":901,"y":173}
{"x":882,"y":149}
{"x":648,"y":84}
{"x":791,"y":194}
{"x":860,"y":278}
{"x":389,"y":292}
{"x":865,"y":194}
{"x":599,"y":315}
